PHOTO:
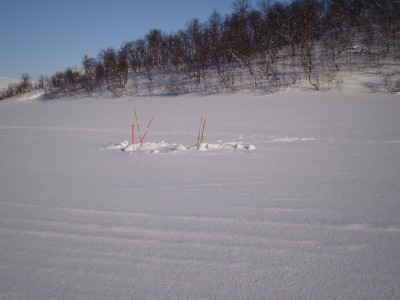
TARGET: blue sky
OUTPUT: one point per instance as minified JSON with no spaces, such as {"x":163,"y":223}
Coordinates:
{"x":46,"y":36}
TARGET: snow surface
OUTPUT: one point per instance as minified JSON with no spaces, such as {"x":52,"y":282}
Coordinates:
{"x":310,"y":210}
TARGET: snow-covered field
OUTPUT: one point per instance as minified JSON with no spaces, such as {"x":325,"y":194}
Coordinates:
{"x":293,"y":195}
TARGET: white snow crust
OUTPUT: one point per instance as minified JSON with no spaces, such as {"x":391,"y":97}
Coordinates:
{"x":170,"y":148}
{"x":291,"y":196}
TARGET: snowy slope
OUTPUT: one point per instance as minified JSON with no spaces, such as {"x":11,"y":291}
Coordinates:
{"x":312,"y":212}
{"x":6,"y":81}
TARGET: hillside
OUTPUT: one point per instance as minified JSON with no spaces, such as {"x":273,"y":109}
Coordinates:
{"x":266,"y":49}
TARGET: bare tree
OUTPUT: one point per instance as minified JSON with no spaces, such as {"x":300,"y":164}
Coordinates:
{"x":25,"y":84}
{"x":175,"y":46}
{"x":214,"y":28}
{"x":90,"y":79}
{"x":72,"y":78}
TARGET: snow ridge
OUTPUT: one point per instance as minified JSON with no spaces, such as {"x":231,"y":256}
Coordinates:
{"x":164,"y":147}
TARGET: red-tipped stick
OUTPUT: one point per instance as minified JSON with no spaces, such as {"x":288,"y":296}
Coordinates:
{"x":138,"y":126}
{"x":147,"y":128}
{"x":133,"y":134}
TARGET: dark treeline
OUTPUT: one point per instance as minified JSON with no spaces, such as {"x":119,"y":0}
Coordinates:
{"x":266,"y":47}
